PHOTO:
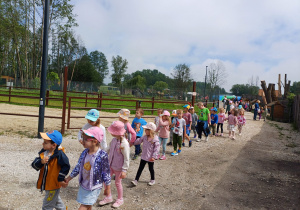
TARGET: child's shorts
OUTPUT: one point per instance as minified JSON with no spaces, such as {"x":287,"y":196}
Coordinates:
{"x":231,"y":127}
{"x":87,"y":197}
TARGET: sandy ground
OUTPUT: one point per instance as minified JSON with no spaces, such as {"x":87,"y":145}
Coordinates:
{"x":258,"y":170}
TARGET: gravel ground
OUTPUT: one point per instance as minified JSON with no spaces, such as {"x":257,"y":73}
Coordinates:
{"x":258,"y":170}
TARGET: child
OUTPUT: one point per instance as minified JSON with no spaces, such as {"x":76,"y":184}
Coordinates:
{"x":137,"y":125}
{"x":179,"y":132}
{"x":150,"y":152}
{"x":174,"y":115}
{"x":228,"y":107}
{"x":232,"y":122}
{"x":203,"y":121}
{"x":118,"y":160}
{"x":123,"y":117}
{"x":156,"y":120}
{"x":93,"y":169}
{"x":188,"y":121}
{"x":265,"y":113}
{"x":53,"y":165}
{"x":214,"y":120}
{"x":260,"y":111}
{"x":93,"y":120}
{"x":194,"y":121}
{"x":164,"y":132}
{"x":221,"y":119}
{"x":241,"y":120}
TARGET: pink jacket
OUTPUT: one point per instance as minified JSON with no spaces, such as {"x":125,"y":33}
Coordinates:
{"x":131,"y":131}
{"x":163,"y":128}
{"x":221,"y":117}
{"x":241,"y":120}
{"x":118,"y":157}
{"x":150,"y":148}
{"x":232,"y":120}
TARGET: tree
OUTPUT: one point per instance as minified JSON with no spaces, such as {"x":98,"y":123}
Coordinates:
{"x":182,"y":77}
{"x":295,"y":88}
{"x":216,"y":74}
{"x":119,"y":68}
{"x":52,"y":77}
{"x":160,"y":86}
{"x":240,"y":89}
{"x":100,"y":63}
{"x":137,"y":82}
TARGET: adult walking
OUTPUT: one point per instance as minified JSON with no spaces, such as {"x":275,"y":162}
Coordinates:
{"x":256,"y":108}
{"x":225,"y":102}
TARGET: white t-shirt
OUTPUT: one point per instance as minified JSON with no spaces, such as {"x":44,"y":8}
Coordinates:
{"x":178,"y":127}
{"x":103,"y":143}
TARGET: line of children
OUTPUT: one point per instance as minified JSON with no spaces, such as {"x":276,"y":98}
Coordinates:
{"x":188,"y":122}
{"x":179,"y":132}
{"x":203,"y":121}
{"x":221,"y":119}
{"x":214,"y":120}
{"x":194,"y":120}
{"x":174,"y":115}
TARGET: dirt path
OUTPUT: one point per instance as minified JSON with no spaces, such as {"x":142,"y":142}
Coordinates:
{"x":259,"y":170}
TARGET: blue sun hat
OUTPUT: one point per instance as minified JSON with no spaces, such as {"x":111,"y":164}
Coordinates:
{"x":92,"y":115}
{"x":214,"y":109}
{"x":187,"y":106}
{"x":240,"y":106}
{"x":54,"y":135}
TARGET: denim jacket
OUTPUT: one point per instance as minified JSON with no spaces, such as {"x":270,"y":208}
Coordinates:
{"x":99,"y":173}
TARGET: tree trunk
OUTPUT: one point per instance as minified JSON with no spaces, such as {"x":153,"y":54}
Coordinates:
{"x":273,"y":92}
{"x":267,"y":95}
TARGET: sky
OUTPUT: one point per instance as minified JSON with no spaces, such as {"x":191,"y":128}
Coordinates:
{"x":253,"y":38}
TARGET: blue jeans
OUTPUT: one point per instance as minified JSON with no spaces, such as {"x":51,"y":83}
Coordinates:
{"x":137,"y":149}
{"x":164,"y":144}
{"x":255,"y":114}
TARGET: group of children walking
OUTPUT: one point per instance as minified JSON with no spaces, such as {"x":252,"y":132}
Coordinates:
{"x":99,"y":162}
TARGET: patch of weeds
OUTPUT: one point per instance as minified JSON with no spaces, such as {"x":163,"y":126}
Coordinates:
{"x":291,"y":145}
{"x":1,"y":133}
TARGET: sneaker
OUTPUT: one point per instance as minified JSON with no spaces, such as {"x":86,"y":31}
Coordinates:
{"x":163,"y":157}
{"x":174,"y":153}
{"x":199,"y":139}
{"x":134,"y":157}
{"x":217,"y":134}
{"x":240,"y":134}
{"x":190,"y":143}
{"x":106,"y":200}
{"x":118,"y":203}
{"x":169,"y":144}
{"x":230,"y":136}
{"x":233,"y":138}
{"x":183,"y":144}
{"x":178,"y":151}
{"x":206,"y":138}
{"x":152,"y":182}
{"x":158,"y":156}
{"x":134,"y":182}
{"x":195,"y":136}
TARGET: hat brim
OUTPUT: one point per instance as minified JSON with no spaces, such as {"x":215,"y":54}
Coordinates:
{"x":45,"y":136}
{"x":94,"y":119}
{"x":123,"y":117}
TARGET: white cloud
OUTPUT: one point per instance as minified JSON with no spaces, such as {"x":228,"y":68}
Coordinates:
{"x":259,"y":38}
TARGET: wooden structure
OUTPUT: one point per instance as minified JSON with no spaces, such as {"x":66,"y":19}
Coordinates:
{"x":279,"y":111}
{"x":296,"y":111}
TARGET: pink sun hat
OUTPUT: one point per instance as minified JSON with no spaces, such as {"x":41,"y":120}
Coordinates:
{"x":117,"y":128}
{"x":165,"y":113}
{"x":94,"y":132}
{"x":150,"y":126}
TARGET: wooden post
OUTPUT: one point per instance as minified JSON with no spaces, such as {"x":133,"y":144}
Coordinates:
{"x":86,"y":96}
{"x":285,"y":86}
{"x":194,"y":91}
{"x":9,"y":93}
{"x":136,"y":104}
{"x":267,"y":93}
{"x":268,"y":96}
{"x":47,"y":98}
{"x":279,"y":85}
{"x":100,"y":103}
{"x":273,"y":93}
{"x":69,"y":113}
{"x":152,"y":105}
{"x":63,"y":123}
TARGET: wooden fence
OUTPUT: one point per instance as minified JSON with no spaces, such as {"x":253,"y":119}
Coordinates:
{"x":296,"y":111}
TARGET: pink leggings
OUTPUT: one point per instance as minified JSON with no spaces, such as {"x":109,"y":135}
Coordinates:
{"x":118,"y":182}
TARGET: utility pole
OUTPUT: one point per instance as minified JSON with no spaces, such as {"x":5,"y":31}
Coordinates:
{"x":44,"y":69}
{"x":205,"y":82}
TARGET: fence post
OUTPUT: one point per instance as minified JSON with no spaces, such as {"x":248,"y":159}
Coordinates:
{"x":47,"y":97}
{"x":101,"y":95}
{"x":63,"y":123}
{"x":152,"y":105}
{"x":86,"y":95}
{"x":137,"y":105}
{"x":9,"y":93}
{"x":206,"y":103}
{"x":98,"y":101}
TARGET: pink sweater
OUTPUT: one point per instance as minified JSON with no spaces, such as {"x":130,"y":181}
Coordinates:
{"x":232,"y":120}
{"x":163,"y":128}
{"x":221,"y":117}
{"x":150,"y":147}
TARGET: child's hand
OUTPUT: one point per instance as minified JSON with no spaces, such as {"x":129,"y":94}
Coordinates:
{"x":45,"y":160}
{"x":151,"y":159}
{"x":63,"y":184}
{"x":68,"y":179}
{"x":130,"y":144}
{"x":123,"y":175}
